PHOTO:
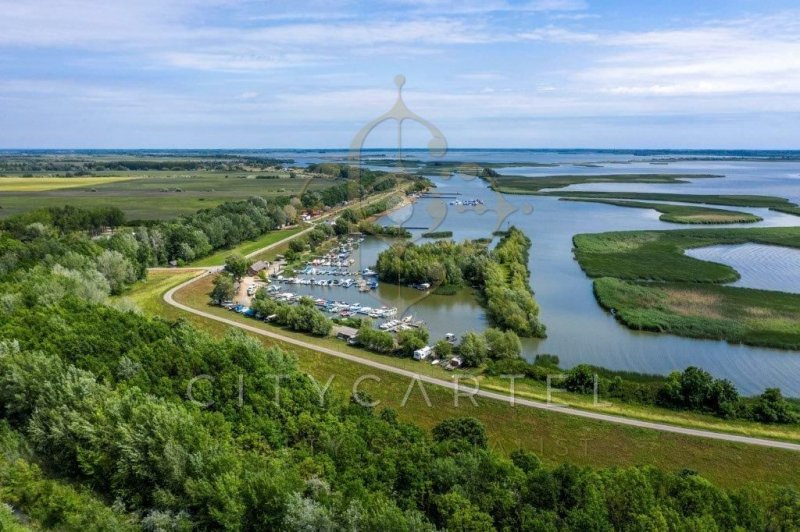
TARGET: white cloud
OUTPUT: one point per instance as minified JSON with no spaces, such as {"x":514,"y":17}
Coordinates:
{"x":558,"y":35}
{"x":747,"y":56}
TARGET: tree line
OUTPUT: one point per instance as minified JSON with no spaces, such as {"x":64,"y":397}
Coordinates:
{"x":692,"y":389}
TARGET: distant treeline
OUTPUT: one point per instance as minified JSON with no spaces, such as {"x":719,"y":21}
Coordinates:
{"x":83,"y":165}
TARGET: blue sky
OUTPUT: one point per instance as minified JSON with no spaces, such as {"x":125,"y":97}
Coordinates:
{"x":490,"y":73}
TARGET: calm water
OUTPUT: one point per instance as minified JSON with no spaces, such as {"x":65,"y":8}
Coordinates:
{"x":760,"y":266}
{"x":579,"y":330}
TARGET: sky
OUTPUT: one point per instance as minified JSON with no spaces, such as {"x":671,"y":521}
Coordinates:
{"x":487,"y":73}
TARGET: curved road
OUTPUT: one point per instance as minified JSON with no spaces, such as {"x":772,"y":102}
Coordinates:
{"x":663,"y":427}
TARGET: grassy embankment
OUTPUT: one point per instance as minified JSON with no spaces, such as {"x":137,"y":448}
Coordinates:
{"x":155,"y":195}
{"x":686,"y":299}
{"x":245,"y":248}
{"x":556,"y":438}
{"x":682,"y":214}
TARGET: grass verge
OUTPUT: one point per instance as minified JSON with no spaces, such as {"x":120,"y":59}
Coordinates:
{"x":245,"y":248}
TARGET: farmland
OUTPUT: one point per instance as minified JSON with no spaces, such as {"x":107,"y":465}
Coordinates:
{"x":147,"y":197}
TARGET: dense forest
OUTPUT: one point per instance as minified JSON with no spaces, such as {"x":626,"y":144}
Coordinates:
{"x":96,"y":397}
{"x":500,"y":275}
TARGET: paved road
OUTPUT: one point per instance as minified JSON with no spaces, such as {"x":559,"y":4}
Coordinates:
{"x":467,"y":390}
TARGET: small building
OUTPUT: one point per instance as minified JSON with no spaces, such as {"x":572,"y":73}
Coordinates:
{"x":423,"y":352}
{"x":257,"y":266}
{"x":347,"y":334}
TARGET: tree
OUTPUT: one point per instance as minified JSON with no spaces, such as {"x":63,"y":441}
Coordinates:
{"x":117,"y":270}
{"x":291,"y":213}
{"x":443,"y":349}
{"x":298,"y":245}
{"x":236,"y":266}
{"x":473,"y":349}
{"x":697,"y":389}
{"x":466,"y":429}
{"x":223,"y":289}
{"x":580,"y":379}
{"x":461,"y":514}
{"x":319,"y":324}
{"x":771,"y":407}
{"x":373,"y":339}
{"x":502,"y":344}
{"x":410,"y":340}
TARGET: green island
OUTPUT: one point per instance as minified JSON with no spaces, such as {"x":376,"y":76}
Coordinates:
{"x":438,"y":234}
{"x":681,"y":214}
{"x":733,"y":200}
{"x":645,"y":278}
{"x":515,"y":184}
{"x":500,"y":276}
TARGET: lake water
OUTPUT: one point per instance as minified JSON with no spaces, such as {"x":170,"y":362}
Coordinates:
{"x":760,"y":266}
{"x":579,"y":330}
